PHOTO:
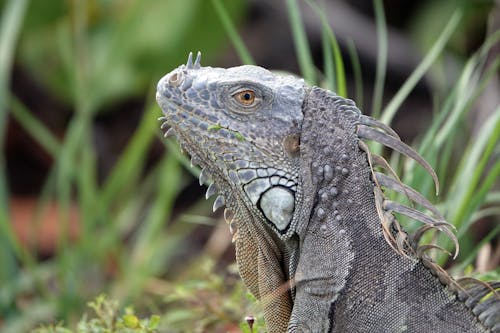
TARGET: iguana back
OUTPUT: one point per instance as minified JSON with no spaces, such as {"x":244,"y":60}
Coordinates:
{"x":315,"y":237}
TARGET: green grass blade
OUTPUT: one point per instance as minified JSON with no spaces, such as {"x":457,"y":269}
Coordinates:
{"x":478,"y":199}
{"x":235,"y":38}
{"x":339,"y":67}
{"x":10,"y":26}
{"x":472,"y":168}
{"x":444,"y":128}
{"x":302,"y":48}
{"x":40,"y":133}
{"x":339,"y":77}
{"x":131,"y":160}
{"x":358,"y":76}
{"x":378,"y":90}
{"x":460,"y":99}
{"x":167,"y":187}
{"x":418,"y":73}
{"x":471,"y":256}
{"x":467,"y":103}
{"x":153,"y":246}
{"x":328,"y":64}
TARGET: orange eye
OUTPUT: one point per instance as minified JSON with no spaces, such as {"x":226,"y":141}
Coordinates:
{"x":246,"y":97}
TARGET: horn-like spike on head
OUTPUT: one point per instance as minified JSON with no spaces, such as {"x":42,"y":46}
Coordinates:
{"x":189,"y":63}
{"x":197,"y":62}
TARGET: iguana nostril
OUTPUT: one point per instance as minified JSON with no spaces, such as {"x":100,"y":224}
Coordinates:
{"x":176,"y":79}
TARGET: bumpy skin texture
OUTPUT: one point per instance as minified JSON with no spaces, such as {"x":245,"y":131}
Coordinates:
{"x":315,"y":239}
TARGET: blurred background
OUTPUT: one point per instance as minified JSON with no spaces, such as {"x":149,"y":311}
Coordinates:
{"x":94,"y":199}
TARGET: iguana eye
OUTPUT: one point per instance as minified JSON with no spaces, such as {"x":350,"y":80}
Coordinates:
{"x":245,"y":97}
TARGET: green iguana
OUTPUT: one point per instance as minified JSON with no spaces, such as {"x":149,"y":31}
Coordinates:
{"x":316,"y":241}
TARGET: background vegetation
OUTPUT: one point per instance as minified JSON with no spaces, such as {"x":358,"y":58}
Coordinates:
{"x":93,"y":200}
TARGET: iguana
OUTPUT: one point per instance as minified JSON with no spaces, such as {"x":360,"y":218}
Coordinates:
{"x":316,"y":241}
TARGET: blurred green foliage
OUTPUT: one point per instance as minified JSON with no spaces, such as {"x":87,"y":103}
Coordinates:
{"x":120,"y":47}
{"x":107,"y":318}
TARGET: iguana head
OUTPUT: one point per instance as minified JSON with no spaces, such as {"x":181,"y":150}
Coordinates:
{"x":241,"y":126}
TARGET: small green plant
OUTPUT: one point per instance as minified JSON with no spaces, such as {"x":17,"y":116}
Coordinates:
{"x":107,"y":318}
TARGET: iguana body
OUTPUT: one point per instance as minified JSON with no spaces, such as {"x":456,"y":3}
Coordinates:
{"x":315,"y":238}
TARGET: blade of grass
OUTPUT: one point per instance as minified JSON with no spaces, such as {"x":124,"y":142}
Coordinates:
{"x":418,"y":73}
{"x":339,"y":66}
{"x":328,"y":62}
{"x":40,"y":133}
{"x":445,"y":127}
{"x":381,"y":70}
{"x":302,"y":48}
{"x":473,"y":253}
{"x":167,"y":187}
{"x":131,"y":160}
{"x":86,"y":182}
{"x":474,"y":165}
{"x":69,"y":168}
{"x":479,"y":197}
{"x":235,"y":38}
{"x":151,"y":239}
{"x":10,"y":26}
{"x":358,"y":76}
{"x":339,"y":77}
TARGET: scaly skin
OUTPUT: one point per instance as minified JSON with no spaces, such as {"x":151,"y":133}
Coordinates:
{"x":315,"y":239}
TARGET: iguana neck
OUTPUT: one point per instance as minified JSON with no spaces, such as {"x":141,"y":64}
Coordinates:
{"x":343,"y":220}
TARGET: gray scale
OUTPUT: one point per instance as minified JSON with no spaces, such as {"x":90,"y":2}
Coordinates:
{"x":281,"y":173}
{"x":247,"y":175}
{"x":271,"y":171}
{"x":204,"y":94}
{"x":200,"y":85}
{"x":283,"y":181}
{"x":242,"y":164}
{"x":255,"y":188}
{"x":233,"y":175}
{"x":275,"y":180}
